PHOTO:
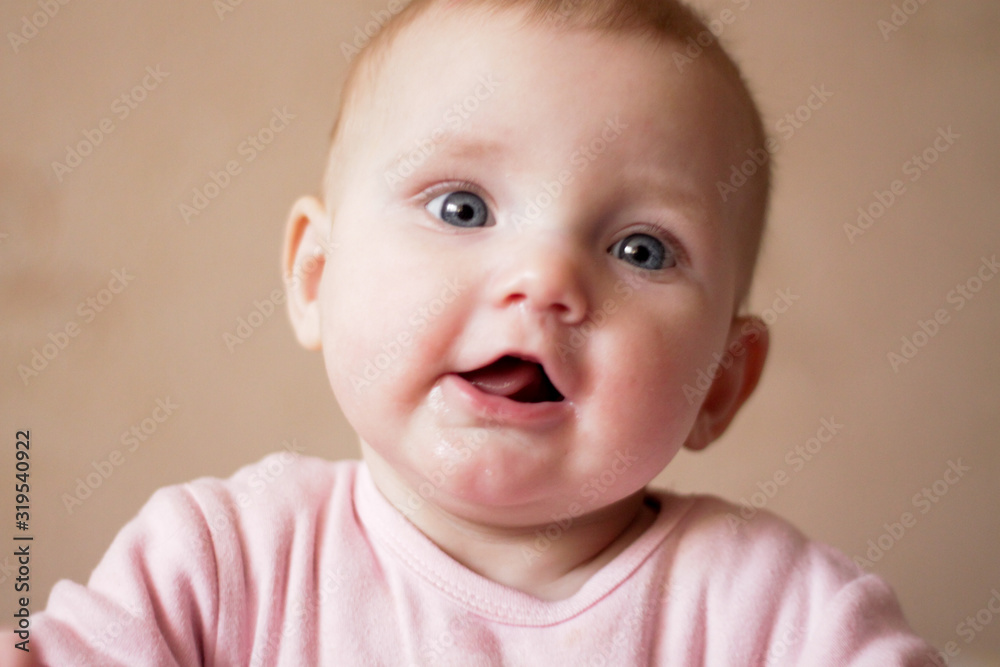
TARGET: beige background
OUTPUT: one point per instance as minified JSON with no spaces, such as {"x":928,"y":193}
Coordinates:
{"x":163,"y":336}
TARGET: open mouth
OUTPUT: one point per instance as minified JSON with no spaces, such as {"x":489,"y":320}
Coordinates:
{"x":517,"y":379}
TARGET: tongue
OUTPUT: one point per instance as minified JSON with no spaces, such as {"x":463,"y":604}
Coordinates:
{"x":510,"y":377}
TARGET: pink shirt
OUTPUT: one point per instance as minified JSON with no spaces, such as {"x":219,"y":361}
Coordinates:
{"x":299,"y":561}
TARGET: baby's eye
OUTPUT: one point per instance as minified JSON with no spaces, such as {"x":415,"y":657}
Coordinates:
{"x":461,"y":209}
{"x":645,"y":252}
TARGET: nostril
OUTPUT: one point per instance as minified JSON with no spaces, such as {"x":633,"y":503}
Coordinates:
{"x":545,"y":279}
{"x":564,"y":305}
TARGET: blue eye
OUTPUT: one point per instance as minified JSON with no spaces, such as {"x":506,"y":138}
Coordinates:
{"x":461,"y":209}
{"x":645,"y":252}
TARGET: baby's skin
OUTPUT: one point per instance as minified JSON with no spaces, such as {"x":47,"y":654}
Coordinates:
{"x":520,"y":260}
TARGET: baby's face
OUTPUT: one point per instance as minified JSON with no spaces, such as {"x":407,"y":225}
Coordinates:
{"x":530,"y":261}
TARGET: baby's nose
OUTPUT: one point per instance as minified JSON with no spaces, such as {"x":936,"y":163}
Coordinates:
{"x":547,"y":277}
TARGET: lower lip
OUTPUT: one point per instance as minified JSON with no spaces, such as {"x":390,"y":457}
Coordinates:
{"x":500,"y":409}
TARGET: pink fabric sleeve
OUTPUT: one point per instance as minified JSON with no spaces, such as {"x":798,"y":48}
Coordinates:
{"x":153,"y":599}
{"x":863,"y":626}
{"x":214,"y":572}
{"x":762,"y":594}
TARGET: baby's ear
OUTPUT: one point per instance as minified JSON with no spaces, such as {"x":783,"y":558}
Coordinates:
{"x":737,"y":375}
{"x":306,"y":239}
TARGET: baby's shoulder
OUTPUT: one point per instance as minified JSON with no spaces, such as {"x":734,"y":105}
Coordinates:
{"x":287,"y":474}
{"x":265,"y":502}
{"x":284,"y":483}
{"x":735,"y":546}
{"x":265,"y":516}
{"x":773,"y":594}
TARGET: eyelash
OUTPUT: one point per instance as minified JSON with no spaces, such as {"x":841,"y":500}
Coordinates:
{"x":664,"y":236}
{"x":458,"y":185}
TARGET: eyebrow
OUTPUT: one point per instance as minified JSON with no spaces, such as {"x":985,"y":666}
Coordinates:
{"x":463,"y":147}
{"x":666,"y":193}
{"x":449,"y":144}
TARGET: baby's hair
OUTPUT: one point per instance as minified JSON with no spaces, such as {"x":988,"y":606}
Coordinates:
{"x":655,"y":20}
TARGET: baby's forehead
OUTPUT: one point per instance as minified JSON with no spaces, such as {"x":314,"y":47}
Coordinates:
{"x":444,"y":82}
{"x":394,"y":70}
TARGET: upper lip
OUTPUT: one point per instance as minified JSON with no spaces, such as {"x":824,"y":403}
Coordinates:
{"x":550,"y":366}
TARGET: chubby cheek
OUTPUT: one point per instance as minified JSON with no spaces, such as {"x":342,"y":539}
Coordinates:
{"x":384,"y":331}
{"x":639,"y":400}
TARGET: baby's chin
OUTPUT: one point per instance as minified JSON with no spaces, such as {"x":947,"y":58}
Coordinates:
{"x":486,"y":480}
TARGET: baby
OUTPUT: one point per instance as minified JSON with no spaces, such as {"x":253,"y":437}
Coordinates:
{"x":521,"y":263}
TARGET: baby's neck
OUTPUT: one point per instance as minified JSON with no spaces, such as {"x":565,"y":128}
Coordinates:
{"x":517,"y":556}
{"x":547,"y":569}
